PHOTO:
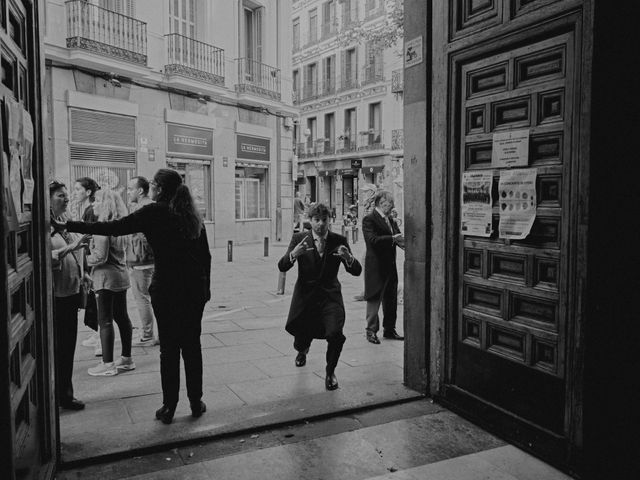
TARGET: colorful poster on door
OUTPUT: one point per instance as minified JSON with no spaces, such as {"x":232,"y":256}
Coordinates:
{"x":476,"y":203}
{"x":517,"y":202}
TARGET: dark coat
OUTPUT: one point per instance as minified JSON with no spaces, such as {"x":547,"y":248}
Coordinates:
{"x":317,"y":282}
{"x":380,"y":259}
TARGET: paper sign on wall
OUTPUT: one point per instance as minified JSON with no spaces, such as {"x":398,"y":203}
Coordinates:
{"x":517,"y":202}
{"x":413,"y":52}
{"x":476,"y":203}
{"x":510,"y":149}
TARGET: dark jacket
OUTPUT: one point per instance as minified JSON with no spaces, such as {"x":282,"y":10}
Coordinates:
{"x":182,"y":265}
{"x":380,"y":259}
{"x":317,"y":280}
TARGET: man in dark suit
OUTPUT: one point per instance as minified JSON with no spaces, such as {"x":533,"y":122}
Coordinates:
{"x":317,"y":310}
{"x":381,"y":236}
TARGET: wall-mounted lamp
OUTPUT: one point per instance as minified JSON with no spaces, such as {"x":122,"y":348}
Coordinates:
{"x":113,"y":80}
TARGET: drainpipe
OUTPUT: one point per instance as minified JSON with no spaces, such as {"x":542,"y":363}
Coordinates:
{"x":278,"y":139}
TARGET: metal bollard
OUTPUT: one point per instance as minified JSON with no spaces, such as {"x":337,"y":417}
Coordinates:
{"x":230,"y":251}
{"x":266,"y":246}
{"x":343,"y":230}
{"x":282,"y":277}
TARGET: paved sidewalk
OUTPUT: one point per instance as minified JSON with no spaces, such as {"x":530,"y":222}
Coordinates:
{"x":249,"y":375}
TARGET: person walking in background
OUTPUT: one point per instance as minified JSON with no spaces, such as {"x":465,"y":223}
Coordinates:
{"x":317,"y":309}
{"x":110,"y":282}
{"x":180,"y":287}
{"x":298,"y":213}
{"x":367,"y":197}
{"x":140,"y":263}
{"x":67,"y":261}
{"x":381,"y":236}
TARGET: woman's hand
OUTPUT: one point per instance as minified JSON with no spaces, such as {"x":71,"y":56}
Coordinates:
{"x":79,"y":243}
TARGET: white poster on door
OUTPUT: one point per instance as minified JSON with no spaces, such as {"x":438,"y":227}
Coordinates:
{"x":517,"y":202}
{"x":476,"y":203}
{"x":510,"y":149}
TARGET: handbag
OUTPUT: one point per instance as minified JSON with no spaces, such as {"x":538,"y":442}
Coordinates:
{"x":90,"y":309}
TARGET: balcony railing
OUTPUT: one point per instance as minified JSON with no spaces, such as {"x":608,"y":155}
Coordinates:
{"x":316,"y":148}
{"x":191,"y":58}
{"x":108,"y":33}
{"x":373,"y":74}
{"x":397,"y":81}
{"x":313,"y":91}
{"x":348,"y":82}
{"x":295,"y":97}
{"x":371,"y":140}
{"x":258,"y":78}
{"x":347,"y":143}
{"x":397,"y":139}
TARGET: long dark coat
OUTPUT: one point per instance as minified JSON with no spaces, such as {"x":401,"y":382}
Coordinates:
{"x":317,"y":282}
{"x":380,"y":259}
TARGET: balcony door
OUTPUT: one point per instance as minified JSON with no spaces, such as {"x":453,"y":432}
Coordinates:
{"x":183,"y":31}
{"x":125,"y":7}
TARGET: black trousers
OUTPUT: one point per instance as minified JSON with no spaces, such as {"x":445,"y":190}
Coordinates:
{"x":331,"y":316}
{"x":112,"y":307}
{"x":65,"y":316}
{"x":179,"y":328}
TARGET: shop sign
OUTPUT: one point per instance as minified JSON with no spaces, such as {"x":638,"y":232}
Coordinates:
{"x":253,"y":148}
{"x":356,"y":163}
{"x":371,"y":170}
{"x":326,"y":173}
{"x":189,"y":140}
{"x":348,"y":172}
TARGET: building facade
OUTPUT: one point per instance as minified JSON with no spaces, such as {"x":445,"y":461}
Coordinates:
{"x":349,"y":132}
{"x":193,"y":85}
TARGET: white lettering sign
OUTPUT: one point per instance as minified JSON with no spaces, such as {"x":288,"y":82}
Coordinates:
{"x":510,"y":149}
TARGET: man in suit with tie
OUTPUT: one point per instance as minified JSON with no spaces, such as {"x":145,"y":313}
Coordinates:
{"x":381,"y":236}
{"x":317,"y":310}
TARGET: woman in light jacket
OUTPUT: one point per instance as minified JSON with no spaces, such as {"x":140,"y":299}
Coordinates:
{"x":110,"y":283}
{"x":67,"y":259}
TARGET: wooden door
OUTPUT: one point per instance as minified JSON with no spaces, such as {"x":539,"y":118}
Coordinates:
{"x":511,"y":318}
{"x":27,"y":411}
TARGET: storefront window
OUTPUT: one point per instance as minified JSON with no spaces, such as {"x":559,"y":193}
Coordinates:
{"x":251,"y":193}
{"x":197,"y":176}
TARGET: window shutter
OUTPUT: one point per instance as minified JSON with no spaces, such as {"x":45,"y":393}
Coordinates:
{"x":343,"y":67}
{"x":97,"y":128}
{"x":259,"y":30}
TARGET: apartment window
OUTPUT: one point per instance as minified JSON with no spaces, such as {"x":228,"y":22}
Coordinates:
{"x":253,"y":35}
{"x":311,"y":81}
{"x":313,"y":25}
{"x":329,"y":132}
{"x":349,"y":68}
{"x":375,"y":123}
{"x":349,"y":11}
{"x":197,"y":176}
{"x":126,"y":7}
{"x":312,"y":127}
{"x":251,"y":192}
{"x":329,"y":74}
{"x":182,"y":17}
{"x":328,"y":18}
{"x":296,"y":85}
{"x":373,"y":67}
{"x":350,"y":128}
{"x":296,"y":34}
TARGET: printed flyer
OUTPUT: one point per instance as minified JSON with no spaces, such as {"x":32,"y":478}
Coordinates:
{"x":476,"y":203}
{"x":517,"y":199}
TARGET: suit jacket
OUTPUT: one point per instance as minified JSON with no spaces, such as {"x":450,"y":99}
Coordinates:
{"x":317,"y":282}
{"x":380,"y":259}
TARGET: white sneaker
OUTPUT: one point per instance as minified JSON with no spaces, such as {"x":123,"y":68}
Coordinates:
{"x":145,"y":342}
{"x":103,"y":370}
{"x":125,"y":363}
{"x":98,"y":351}
{"x":92,"y":340}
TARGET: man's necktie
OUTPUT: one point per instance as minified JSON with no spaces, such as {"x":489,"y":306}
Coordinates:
{"x":386,"y":219}
{"x":320,"y":246}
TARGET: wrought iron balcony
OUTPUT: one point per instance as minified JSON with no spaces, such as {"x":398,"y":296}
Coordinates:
{"x":191,"y":58}
{"x":313,"y":91}
{"x":258,"y":78}
{"x":108,"y":33}
{"x":397,"y":139}
{"x":371,"y":140}
{"x":346,"y":143}
{"x":348,"y":82}
{"x":373,"y":74}
{"x":397,"y":81}
{"x":325,"y":146}
{"x":295,"y":97}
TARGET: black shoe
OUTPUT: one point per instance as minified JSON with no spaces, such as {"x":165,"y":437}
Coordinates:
{"x":359,"y":298}
{"x":392,"y":335}
{"x":198,"y":408}
{"x":72,"y":404}
{"x":373,"y":338}
{"x":165,"y":414}
{"x":301,"y":360}
{"x":330,"y":381}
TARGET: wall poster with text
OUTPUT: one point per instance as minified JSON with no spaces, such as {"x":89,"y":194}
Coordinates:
{"x":517,"y":200}
{"x":475,"y":217}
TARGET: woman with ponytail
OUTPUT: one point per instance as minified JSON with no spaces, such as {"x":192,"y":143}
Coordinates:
{"x":180,"y":286}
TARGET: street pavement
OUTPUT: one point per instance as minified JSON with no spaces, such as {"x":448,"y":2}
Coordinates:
{"x":250,"y":379}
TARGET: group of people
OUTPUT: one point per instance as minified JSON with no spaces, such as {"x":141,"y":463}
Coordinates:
{"x":164,"y":245}
{"x":317,"y":308}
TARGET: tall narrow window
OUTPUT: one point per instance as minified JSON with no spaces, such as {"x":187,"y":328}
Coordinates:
{"x":375,"y":124}
{"x":296,"y":34}
{"x":125,"y":7}
{"x":373,"y":70}
{"x":329,"y":132}
{"x":329,"y":75}
{"x":349,"y":68}
{"x":311,"y":81}
{"x":253,"y":33}
{"x":251,"y":192}
{"x":328,"y":18}
{"x":313,"y":25}
{"x":312,"y":127}
{"x":296,"y":85}
{"x":182,"y":17}
{"x":350,"y":129}
{"x":349,"y":12}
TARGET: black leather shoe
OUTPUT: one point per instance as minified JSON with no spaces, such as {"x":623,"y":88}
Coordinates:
{"x":72,"y":404}
{"x":198,"y":408}
{"x":392,"y":335}
{"x":373,"y":338}
{"x":301,"y":360}
{"x":330,"y":381}
{"x":165,"y":414}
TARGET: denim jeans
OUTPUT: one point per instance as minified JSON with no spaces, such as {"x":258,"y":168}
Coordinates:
{"x":140,"y":281}
{"x":112,"y":306}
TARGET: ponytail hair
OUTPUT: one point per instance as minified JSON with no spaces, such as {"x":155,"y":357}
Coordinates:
{"x":180,"y":201}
